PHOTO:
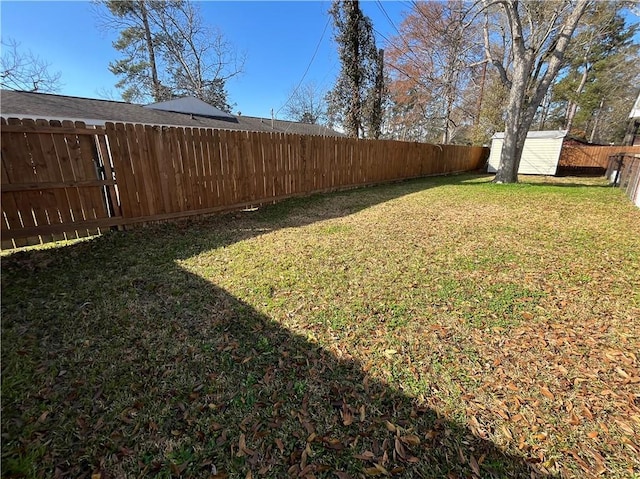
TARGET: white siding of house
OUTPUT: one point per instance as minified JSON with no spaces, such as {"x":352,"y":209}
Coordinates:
{"x":539,"y":157}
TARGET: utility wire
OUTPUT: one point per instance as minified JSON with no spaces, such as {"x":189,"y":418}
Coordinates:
{"x":295,"y":90}
{"x":381,"y":7}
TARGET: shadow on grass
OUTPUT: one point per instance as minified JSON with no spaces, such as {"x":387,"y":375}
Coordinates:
{"x":116,"y":361}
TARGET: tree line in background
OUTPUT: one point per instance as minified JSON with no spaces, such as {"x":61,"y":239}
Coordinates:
{"x":449,"y":70}
{"x":456,"y":72}
{"x":451,"y":66}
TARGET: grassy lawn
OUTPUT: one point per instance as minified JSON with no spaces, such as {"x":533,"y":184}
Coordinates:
{"x":445,"y":328}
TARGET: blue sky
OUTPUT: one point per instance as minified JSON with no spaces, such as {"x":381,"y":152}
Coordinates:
{"x":279,"y":39}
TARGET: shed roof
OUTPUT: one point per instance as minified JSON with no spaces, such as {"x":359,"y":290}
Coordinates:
{"x":92,"y":111}
{"x":536,"y":135}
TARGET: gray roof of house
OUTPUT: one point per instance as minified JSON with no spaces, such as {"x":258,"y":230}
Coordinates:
{"x":536,"y":135}
{"x":19,"y":104}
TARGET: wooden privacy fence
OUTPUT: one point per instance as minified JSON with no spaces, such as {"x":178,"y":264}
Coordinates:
{"x":57,"y":182}
{"x":588,"y":156}
{"x":66,"y":180}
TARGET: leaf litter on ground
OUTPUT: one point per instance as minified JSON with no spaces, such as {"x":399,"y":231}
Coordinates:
{"x":443,"y":327}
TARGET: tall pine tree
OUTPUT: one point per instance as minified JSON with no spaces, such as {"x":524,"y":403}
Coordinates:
{"x":602,"y":70}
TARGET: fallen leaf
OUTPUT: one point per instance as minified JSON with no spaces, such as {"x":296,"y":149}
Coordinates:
{"x":178,"y":470}
{"x":333,"y":443}
{"x":475,"y":467}
{"x":411,"y":440}
{"x":242,"y":447}
{"x":592,"y":434}
{"x":382,"y":470}
{"x":399,"y":448}
{"x":622,"y":373}
{"x":347,"y":417}
{"x":372,"y":471}
{"x":43,"y":416}
{"x":546,"y":393}
{"x":280,"y":445}
{"x":365,"y":456}
{"x":625,"y":427}
{"x":573,"y":419}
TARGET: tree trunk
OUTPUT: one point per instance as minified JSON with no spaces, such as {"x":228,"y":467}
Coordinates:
{"x":573,"y":105}
{"x":595,"y":123}
{"x":354,"y":111}
{"x":157,"y":95}
{"x":546,"y":104}
{"x":476,"y":120}
{"x":513,"y":141}
{"x":523,"y":101}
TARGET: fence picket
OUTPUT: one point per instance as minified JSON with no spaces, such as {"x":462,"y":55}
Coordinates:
{"x":69,"y":180}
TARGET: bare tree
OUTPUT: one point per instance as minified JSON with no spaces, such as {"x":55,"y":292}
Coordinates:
{"x":200,"y":60}
{"x":534,"y":38}
{"x":433,"y":63}
{"x":306,"y":104}
{"x":169,"y":51}
{"x":25,"y":71}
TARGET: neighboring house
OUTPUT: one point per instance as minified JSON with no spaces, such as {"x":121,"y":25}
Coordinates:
{"x":186,"y":112}
{"x":540,"y":154}
{"x":632,"y":137}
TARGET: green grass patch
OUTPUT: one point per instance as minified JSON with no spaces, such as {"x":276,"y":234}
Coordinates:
{"x":443,"y":327}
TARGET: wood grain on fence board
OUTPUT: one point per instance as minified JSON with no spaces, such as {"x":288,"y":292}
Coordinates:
{"x":590,"y":156}
{"x":71,"y":179}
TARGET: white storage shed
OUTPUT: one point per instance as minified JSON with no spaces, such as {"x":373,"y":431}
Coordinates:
{"x":539,"y":157}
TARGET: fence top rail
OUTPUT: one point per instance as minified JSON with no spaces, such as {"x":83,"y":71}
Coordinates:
{"x":16,"y":125}
{"x":110,"y":126}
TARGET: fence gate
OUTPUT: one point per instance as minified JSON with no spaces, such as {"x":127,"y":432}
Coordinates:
{"x":57,"y":182}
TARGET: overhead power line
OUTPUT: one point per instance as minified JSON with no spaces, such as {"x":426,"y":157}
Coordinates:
{"x":295,"y":90}
{"x":382,"y":9}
